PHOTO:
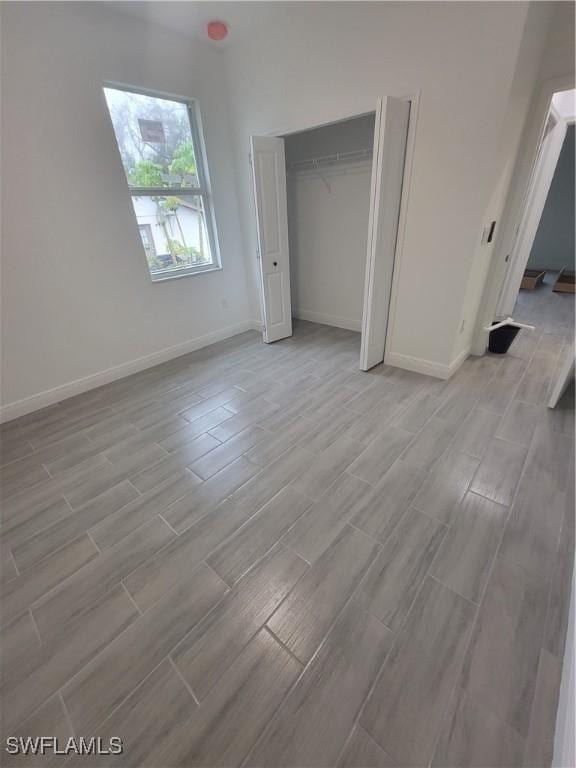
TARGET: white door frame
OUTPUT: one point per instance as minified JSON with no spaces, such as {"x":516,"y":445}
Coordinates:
{"x":390,"y":137}
{"x":524,"y":162}
{"x":414,"y":98}
{"x":535,"y":200}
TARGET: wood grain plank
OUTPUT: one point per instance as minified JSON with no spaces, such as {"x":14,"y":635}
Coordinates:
{"x":499,"y":471}
{"x":362,"y":752}
{"x":326,"y":518}
{"x":444,"y":488}
{"x":110,"y":678}
{"x":306,"y":615}
{"x":237,"y":711}
{"x":502,"y":660}
{"x":259,"y":534}
{"x":41,"y":674}
{"x":465,"y":556}
{"x":312,"y":726}
{"x":378,"y":513}
{"x":24,"y":590}
{"x":392,"y":581}
{"x":472,"y":735}
{"x":404,"y":711}
{"x":211,"y":648}
{"x":178,"y":560}
{"x":380,"y":454}
{"x":54,"y":613}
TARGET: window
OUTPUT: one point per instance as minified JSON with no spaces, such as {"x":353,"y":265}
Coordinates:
{"x":147,"y":241}
{"x":159,"y":143}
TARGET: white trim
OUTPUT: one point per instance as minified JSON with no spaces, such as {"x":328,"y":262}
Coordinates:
{"x":319,"y":317}
{"x":204,"y":190}
{"x":564,"y":743}
{"x":414,"y":100}
{"x":177,"y":274}
{"x":525,"y":158}
{"x":77,"y":387}
{"x":426,"y":367}
{"x":534,"y":202}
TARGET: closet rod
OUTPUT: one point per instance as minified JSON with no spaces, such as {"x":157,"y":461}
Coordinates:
{"x":358,"y":154}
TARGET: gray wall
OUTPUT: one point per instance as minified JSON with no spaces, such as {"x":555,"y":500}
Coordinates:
{"x":328,"y":229}
{"x":554,"y":243}
{"x":344,"y":136}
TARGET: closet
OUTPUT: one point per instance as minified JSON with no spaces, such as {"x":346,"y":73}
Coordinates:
{"x":328,"y":172}
{"x":327,"y":207}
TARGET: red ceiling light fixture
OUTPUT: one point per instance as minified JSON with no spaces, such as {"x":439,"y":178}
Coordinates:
{"x":217,"y":30}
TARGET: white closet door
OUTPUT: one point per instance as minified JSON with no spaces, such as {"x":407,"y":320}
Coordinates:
{"x":390,"y":134}
{"x":269,"y":176}
{"x":540,"y":184}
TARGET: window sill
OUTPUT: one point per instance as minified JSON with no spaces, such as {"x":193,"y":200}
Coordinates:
{"x":167,"y":278}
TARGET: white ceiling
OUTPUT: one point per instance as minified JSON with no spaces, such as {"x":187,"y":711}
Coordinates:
{"x":190,"y":18}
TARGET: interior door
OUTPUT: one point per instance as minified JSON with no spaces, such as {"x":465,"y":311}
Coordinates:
{"x":539,"y":187}
{"x":269,"y":177}
{"x":390,"y":134}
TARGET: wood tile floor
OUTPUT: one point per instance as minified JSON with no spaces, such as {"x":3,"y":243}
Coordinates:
{"x":257,"y":555}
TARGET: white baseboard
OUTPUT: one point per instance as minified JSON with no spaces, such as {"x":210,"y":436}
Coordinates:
{"x":323,"y":319}
{"x":458,"y":360}
{"x":77,"y":387}
{"x":427,"y":367}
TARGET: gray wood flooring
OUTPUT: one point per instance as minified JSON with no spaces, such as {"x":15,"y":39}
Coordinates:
{"x":259,"y":556}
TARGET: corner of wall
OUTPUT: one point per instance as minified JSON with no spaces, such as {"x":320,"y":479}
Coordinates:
{"x":62,"y":392}
{"x":480,"y":302}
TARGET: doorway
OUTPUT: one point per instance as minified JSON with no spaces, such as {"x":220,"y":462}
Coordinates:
{"x":543,"y":251}
{"x":328,"y":171}
{"x":539,"y":285}
{"x":328,"y":203}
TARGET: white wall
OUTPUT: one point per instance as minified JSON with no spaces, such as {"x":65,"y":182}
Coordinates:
{"x":309,"y":63}
{"x":328,"y":228}
{"x":524,"y":87}
{"x":328,"y":234}
{"x":80,"y":311}
{"x":77,"y":307}
{"x":555,"y":71}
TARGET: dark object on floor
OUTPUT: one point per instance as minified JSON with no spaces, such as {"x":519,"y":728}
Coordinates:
{"x":500,"y":340}
{"x":564,"y":282}
{"x":531,"y":279}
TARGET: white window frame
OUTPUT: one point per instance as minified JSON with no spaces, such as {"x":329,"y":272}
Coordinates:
{"x":203,"y":190}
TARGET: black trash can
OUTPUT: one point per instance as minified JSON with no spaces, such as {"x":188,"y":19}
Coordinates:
{"x":500,"y":340}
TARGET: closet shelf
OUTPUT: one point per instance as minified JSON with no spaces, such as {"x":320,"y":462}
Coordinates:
{"x":339,"y":157}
